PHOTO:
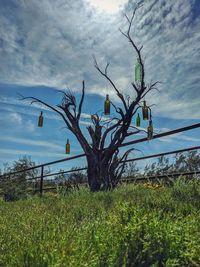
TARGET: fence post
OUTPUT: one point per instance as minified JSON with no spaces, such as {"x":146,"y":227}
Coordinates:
{"x":41,"y":180}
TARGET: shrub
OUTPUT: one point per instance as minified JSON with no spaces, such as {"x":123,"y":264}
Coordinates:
{"x":14,"y":187}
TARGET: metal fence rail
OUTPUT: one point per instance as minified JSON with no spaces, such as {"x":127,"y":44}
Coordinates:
{"x":128,"y":160}
{"x":179,"y":130}
{"x":42,"y":176}
{"x":130,"y":179}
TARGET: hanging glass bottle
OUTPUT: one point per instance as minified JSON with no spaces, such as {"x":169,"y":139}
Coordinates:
{"x":138,"y":120}
{"x":107,"y":106}
{"x":40,"y":120}
{"x":67,"y":147}
{"x":138,"y":71}
{"x":150,"y":130}
{"x":145,"y":112}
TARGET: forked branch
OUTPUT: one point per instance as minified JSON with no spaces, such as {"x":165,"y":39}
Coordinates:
{"x":36,"y":100}
{"x":104,"y":74}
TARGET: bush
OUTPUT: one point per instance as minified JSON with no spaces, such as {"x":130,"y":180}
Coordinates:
{"x":14,"y":187}
{"x":130,"y":226}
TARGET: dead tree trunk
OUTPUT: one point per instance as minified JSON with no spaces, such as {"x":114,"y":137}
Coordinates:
{"x":94,"y":172}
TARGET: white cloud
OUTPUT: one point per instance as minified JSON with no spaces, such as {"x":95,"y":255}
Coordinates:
{"x":25,"y":108}
{"x":14,"y":118}
{"x":30,"y":126}
{"x":85,"y":123}
{"x":32,"y":153}
{"x":11,"y":118}
{"x":172,"y":138}
{"x":43,"y":43}
{"x":26,"y":141}
{"x":188,"y":138}
{"x":109,"y":6}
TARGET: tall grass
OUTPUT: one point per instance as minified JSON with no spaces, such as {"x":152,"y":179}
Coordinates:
{"x":131,"y":226}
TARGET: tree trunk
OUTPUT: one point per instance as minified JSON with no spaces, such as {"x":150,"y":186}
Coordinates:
{"x":97,"y":173}
{"x":93,"y":172}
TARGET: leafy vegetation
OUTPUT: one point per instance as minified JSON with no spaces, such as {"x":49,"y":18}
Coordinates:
{"x":14,"y":187}
{"x":19,"y":185}
{"x":180,"y":163}
{"x":134,"y":225}
{"x":183,"y":162}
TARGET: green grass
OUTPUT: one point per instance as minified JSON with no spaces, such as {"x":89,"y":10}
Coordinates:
{"x":131,"y":226}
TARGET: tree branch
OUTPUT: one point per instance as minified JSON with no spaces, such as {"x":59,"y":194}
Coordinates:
{"x":107,"y":131}
{"x":118,"y":110}
{"x":111,"y":82}
{"x":36,"y":100}
{"x":115,"y":170}
{"x":81,"y":102}
{"x":74,"y":127}
{"x":151,"y":88}
{"x":135,"y":87}
{"x":127,"y":35}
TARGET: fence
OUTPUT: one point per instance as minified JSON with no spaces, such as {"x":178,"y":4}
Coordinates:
{"x":42,"y":176}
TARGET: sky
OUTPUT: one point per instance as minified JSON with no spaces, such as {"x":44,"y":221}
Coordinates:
{"x":48,"y":45}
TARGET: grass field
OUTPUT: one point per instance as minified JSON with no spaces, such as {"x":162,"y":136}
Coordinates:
{"x":131,"y":226}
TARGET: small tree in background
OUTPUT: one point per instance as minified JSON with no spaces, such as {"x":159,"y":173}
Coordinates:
{"x":14,"y":187}
{"x":160,"y":167}
{"x":184,"y":162}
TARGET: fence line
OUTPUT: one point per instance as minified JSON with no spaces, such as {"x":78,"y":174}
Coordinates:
{"x":135,"y":179}
{"x":45,"y":164}
{"x":183,"y":129}
{"x":124,"y":144}
{"x":164,"y":154}
{"x":128,"y":160}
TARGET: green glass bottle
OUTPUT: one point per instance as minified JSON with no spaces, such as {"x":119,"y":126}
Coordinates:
{"x":150,"y":130}
{"x":138,"y":120}
{"x":107,"y":106}
{"x":40,"y":120}
{"x":67,"y":147}
{"x":145,"y":112}
{"x":138,"y":71}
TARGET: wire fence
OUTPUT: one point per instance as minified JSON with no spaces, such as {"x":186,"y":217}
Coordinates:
{"x":4,"y":176}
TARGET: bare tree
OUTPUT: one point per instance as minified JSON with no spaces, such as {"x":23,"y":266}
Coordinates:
{"x":104,"y":165}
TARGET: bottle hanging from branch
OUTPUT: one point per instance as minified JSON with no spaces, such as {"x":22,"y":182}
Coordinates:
{"x":40,"y":120}
{"x":67,"y":147}
{"x":150,"y":130}
{"x":107,"y":106}
{"x":138,"y":120}
{"x":145,"y":112}
{"x":138,"y":71}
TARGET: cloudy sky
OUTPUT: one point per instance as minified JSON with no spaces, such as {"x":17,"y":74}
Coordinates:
{"x":47,"y":45}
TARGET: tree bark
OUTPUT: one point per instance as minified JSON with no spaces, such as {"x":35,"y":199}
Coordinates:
{"x":98,"y":172}
{"x":93,"y":171}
